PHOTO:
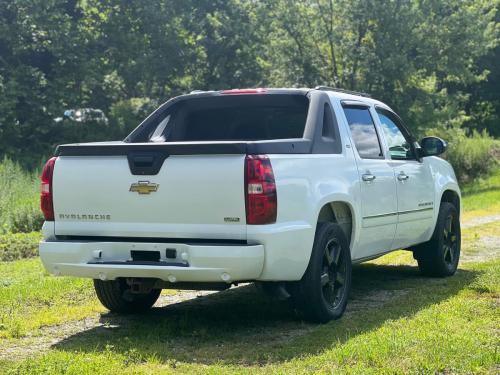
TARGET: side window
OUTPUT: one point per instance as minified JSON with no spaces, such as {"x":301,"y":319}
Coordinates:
{"x":399,"y":145}
{"x":363,"y":132}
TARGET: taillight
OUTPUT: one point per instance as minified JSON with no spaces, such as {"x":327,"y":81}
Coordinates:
{"x":46,"y":201}
{"x":260,"y":190}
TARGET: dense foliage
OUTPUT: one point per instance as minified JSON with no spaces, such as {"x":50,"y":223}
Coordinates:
{"x":434,"y":61}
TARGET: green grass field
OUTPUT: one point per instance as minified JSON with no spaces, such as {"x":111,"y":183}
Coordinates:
{"x":397,"y":321}
{"x":482,"y":197}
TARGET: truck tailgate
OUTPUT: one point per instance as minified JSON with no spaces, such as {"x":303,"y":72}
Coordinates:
{"x":192,"y":196}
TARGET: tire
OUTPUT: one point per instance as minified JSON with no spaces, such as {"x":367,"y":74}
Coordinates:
{"x":116,"y":296}
{"x":321,"y":295}
{"x":440,"y":255}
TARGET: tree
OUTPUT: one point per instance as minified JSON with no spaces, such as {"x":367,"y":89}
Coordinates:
{"x":416,"y":55}
{"x":434,"y":61}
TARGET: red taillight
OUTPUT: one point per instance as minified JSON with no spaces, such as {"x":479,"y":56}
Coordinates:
{"x":260,"y":190}
{"x":244,"y":91}
{"x":46,"y":202}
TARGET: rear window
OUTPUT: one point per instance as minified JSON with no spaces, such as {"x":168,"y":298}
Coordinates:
{"x":231,"y":118}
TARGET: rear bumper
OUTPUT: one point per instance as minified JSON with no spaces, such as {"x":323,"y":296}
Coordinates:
{"x":205,"y":263}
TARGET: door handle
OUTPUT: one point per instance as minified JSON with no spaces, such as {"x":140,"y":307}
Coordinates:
{"x":368,"y":177}
{"x":403,"y":176}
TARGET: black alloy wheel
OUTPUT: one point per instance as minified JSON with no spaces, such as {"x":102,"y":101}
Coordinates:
{"x":334,"y":273}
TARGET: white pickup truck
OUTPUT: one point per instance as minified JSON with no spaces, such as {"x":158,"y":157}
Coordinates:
{"x":285,"y":187}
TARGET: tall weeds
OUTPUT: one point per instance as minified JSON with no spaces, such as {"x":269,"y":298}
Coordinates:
{"x":19,"y":199}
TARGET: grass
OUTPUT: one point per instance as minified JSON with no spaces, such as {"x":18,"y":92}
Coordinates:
{"x":395,"y":322}
{"x":482,"y":196}
{"x":31,"y":298}
{"x":425,"y":328}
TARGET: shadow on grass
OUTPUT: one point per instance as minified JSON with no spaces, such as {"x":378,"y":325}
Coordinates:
{"x":241,"y":326}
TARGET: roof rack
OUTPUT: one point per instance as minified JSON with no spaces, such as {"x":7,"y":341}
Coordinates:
{"x":327,"y":88}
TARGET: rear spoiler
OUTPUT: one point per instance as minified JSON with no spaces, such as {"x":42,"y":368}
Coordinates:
{"x":280,"y":146}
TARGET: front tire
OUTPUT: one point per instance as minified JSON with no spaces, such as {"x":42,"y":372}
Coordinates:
{"x":117,"y":297}
{"x":321,"y":295}
{"x":440,"y":255}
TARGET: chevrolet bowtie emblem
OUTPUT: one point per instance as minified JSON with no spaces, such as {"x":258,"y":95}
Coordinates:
{"x":144,"y":187}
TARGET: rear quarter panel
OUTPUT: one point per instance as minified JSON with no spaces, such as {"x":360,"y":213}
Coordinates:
{"x":304,"y":184}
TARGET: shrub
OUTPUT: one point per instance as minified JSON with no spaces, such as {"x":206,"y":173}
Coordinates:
{"x":19,"y":199}
{"x":471,"y":156}
{"x":14,"y":246}
{"x":26,"y":218}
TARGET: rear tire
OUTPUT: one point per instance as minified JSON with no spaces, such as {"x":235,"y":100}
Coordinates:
{"x":321,"y":295}
{"x":117,"y":297}
{"x":440,"y":255}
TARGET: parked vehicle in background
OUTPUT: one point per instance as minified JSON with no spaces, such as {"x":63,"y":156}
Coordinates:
{"x":286,"y":187}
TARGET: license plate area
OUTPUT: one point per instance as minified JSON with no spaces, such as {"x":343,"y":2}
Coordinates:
{"x":153,"y":254}
{"x":145,"y":256}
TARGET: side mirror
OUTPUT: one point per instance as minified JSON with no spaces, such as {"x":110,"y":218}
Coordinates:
{"x":432,"y":146}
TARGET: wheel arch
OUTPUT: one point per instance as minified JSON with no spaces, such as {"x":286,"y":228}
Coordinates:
{"x":453,"y":197}
{"x":340,"y":212}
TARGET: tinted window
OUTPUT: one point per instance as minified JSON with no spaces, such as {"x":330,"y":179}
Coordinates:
{"x":399,"y":147}
{"x":225,"y":118}
{"x":363,"y":132}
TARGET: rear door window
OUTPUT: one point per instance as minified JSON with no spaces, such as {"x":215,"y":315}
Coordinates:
{"x":363,"y":132}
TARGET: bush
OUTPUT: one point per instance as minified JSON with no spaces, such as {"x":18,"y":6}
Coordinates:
{"x":14,"y":246}
{"x":19,"y":199}
{"x":471,"y":156}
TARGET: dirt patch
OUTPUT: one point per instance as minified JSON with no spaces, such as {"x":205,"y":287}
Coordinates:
{"x":373,"y":300}
{"x":480,"y":221}
{"x":491,"y":242}
{"x":484,"y":249}
{"x":183,"y":295}
{"x":44,"y":339}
